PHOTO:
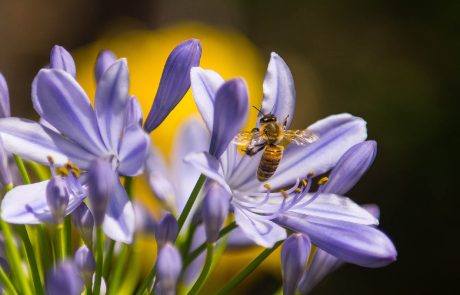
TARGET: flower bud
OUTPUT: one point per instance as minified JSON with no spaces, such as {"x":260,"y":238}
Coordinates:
{"x":145,"y":223}
{"x":100,"y":188}
{"x":4,"y":98}
{"x":57,"y":197}
{"x":214,"y":210}
{"x":85,"y":262}
{"x":4,"y":264}
{"x":64,"y":279}
{"x":294,"y":256}
{"x":62,"y":60}
{"x":166,"y":230}
{"x":169,"y":265}
{"x":105,"y":59}
{"x":83,"y":221}
{"x":5,"y":174}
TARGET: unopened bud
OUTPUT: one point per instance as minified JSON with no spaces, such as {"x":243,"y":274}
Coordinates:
{"x":64,"y":279}
{"x":166,"y":230}
{"x":101,"y":182}
{"x":83,"y":220}
{"x":85,"y":262}
{"x":169,"y":265}
{"x":214,"y":210}
{"x":57,"y":197}
{"x":4,"y":98}
{"x":294,"y":256}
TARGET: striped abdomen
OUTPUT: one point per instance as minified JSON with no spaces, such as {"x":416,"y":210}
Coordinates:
{"x":269,"y":162}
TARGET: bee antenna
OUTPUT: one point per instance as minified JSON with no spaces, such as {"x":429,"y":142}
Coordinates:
{"x":258,"y":110}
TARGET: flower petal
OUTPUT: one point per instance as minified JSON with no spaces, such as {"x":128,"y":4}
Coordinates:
{"x":133,"y":113}
{"x":175,"y":81}
{"x":351,"y":167}
{"x":279,"y":91}
{"x":104,"y":60}
{"x":34,"y":142}
{"x":111,"y":101}
{"x":26,"y":204}
{"x":336,"y":133}
{"x":61,"y":59}
{"x":262,"y":231}
{"x":59,"y":99}
{"x":337,"y":208}
{"x":133,"y":150}
{"x":230,"y":111}
{"x":204,"y":87}
{"x":119,"y":223}
{"x":4,"y":98}
{"x":209,"y":166}
{"x":354,"y":243}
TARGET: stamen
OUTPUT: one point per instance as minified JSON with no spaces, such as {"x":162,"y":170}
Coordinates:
{"x":323,"y":180}
{"x":52,"y":167}
{"x":267,"y":186}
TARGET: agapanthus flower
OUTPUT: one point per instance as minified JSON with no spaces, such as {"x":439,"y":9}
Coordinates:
{"x":260,"y":208}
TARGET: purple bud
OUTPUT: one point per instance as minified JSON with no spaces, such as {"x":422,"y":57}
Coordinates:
{"x":104,"y":60}
{"x":4,"y":264}
{"x":166,"y":230}
{"x":85,"y":262}
{"x":294,"y":256}
{"x":100,"y":185}
{"x":145,"y":223}
{"x":4,"y":98}
{"x":64,"y":279}
{"x":169,"y":265}
{"x":5,"y":174}
{"x":62,"y":60}
{"x":214,"y":210}
{"x":57,"y":197}
{"x":175,"y":81}
{"x":83,"y":221}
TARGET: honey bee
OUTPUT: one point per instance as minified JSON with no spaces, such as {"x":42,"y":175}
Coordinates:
{"x":269,"y":137}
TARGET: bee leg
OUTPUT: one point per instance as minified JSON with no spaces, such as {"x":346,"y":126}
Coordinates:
{"x":255,"y":129}
{"x":285,"y":122}
{"x":251,"y":152}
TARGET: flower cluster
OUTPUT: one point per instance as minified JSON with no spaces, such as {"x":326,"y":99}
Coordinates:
{"x":85,"y":157}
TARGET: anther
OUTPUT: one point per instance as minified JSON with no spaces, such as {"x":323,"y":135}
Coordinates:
{"x":267,"y":186}
{"x":323,"y":180}
{"x":284,"y":194}
{"x":310,"y":174}
{"x":298,"y":190}
{"x":304,"y":182}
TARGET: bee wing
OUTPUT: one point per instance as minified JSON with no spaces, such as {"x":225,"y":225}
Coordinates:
{"x":300,"y":137}
{"x":244,"y":138}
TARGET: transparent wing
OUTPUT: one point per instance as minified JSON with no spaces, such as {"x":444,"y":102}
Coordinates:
{"x":243,"y":138}
{"x":300,"y":137}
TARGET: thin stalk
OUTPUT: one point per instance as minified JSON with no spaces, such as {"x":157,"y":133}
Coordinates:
{"x":185,"y":246}
{"x":204,"y":273}
{"x":99,"y":260}
{"x":191,"y":200}
{"x":44,"y":247}
{"x":129,"y":186}
{"x":118,"y":271}
{"x":88,"y":286}
{"x":40,"y":171}
{"x":22,"y":169}
{"x":68,"y":235}
{"x":6,"y":283}
{"x":60,"y":242}
{"x":238,"y":278}
{"x":108,"y":259}
{"x":226,"y":230}
{"x":147,"y":281}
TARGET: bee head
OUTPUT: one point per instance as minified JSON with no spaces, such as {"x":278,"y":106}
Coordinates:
{"x":268,"y":118}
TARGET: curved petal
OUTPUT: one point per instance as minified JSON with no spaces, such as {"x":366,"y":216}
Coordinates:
{"x":133,"y":150}
{"x":59,"y":99}
{"x":104,"y":60}
{"x":26,"y":204}
{"x":336,"y":133}
{"x":209,"y":166}
{"x":354,"y":243}
{"x":204,"y":87}
{"x":111,"y":101}
{"x":262,"y":231}
{"x":32,"y":141}
{"x":336,"y":207}
{"x":279,"y":91}
{"x":238,"y":239}
{"x":62,"y":60}
{"x":159,"y":178}
{"x":133,"y":113}
{"x":4,"y":98}
{"x":351,"y":167}
{"x":230,"y":111}
{"x":175,"y":81}
{"x":119,"y":223}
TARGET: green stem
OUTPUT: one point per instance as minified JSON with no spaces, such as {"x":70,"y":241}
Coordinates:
{"x":40,"y":171}
{"x":147,"y":281}
{"x":185,"y":246}
{"x":60,"y":242}
{"x":204,"y":273}
{"x":191,"y":200}
{"x":44,"y":247}
{"x":189,"y":259}
{"x":99,"y":260}
{"x":22,"y":169}
{"x":238,"y":278}
{"x":6,"y":282}
{"x":89,"y":290}
{"x":118,"y":271}
{"x":129,"y":186}
{"x":108,"y":259}
{"x":14,"y":258}
{"x":68,"y":235}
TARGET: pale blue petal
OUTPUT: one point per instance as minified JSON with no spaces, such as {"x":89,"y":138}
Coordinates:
{"x":262,"y":231}
{"x":335,"y":207}
{"x":119,"y":223}
{"x":104,"y":60}
{"x":34,"y":142}
{"x":133,"y":113}
{"x":351,"y":167}
{"x":133,"y":150}
{"x":230,"y":111}
{"x":26,"y":204}
{"x":279,"y":91}
{"x":204,"y":87}
{"x":61,"y":59}
{"x":175,"y":81}
{"x":238,"y":239}
{"x":59,"y":99}
{"x":354,"y":243}
{"x":209,"y":166}
{"x":159,"y":178}
{"x":4,"y":98}
{"x":111,"y":102}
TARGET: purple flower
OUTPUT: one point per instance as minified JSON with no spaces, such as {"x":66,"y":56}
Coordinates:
{"x":57,"y":197}
{"x":64,"y":279}
{"x":214,"y":210}
{"x":294,"y":256}
{"x":100,"y":188}
{"x":263,"y":211}
{"x":85,"y":262}
{"x":104,"y":60}
{"x":169,"y":265}
{"x":61,"y":59}
{"x":167,"y":230}
{"x":83,"y":221}
{"x":4,"y":98}
{"x":5,"y":174}
{"x":78,"y":134}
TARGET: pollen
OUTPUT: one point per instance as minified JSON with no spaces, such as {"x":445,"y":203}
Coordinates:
{"x":298,"y":190}
{"x":310,"y":174}
{"x":323,"y":180}
{"x":50,"y":159}
{"x":284,"y":194}
{"x":267,"y":186}
{"x":304,"y":182}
